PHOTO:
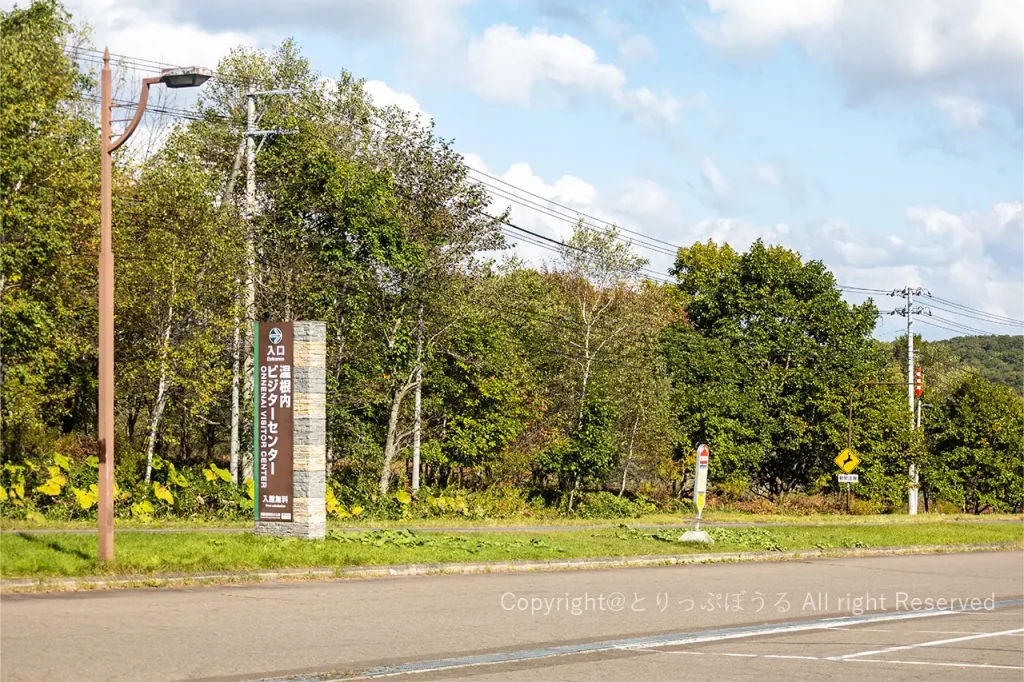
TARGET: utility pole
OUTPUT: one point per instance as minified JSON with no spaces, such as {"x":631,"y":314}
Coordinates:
{"x":909,"y":311}
{"x":417,"y":422}
{"x":241,"y":364}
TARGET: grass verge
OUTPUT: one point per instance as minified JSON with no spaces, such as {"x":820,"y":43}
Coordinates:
{"x":71,"y":555}
{"x":661,"y":519}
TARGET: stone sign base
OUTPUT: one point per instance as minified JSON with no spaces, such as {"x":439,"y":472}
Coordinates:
{"x":309,"y":463}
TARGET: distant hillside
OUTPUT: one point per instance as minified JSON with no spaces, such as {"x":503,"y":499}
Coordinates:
{"x":998,"y":358}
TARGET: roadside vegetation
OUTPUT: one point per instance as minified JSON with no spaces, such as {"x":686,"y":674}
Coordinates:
{"x":573,"y":390}
{"x":25,"y":555}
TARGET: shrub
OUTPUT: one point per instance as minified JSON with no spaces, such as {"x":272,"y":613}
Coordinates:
{"x":605,"y":505}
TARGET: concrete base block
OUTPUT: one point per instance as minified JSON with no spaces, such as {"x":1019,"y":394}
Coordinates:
{"x":294,"y":529}
{"x":697,"y":536}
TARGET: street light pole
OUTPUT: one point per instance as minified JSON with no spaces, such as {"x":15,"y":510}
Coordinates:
{"x":172,"y":78}
{"x":105,"y":485}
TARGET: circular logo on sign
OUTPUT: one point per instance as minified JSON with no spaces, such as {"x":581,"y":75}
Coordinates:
{"x":275,"y":335}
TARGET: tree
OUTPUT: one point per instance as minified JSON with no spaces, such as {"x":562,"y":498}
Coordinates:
{"x":444,"y":226}
{"x":763,"y":365}
{"x":639,"y":385}
{"x":594,"y":277}
{"x":590,"y":452}
{"x":178,"y":261}
{"x":49,"y":190}
{"x":977,"y":458}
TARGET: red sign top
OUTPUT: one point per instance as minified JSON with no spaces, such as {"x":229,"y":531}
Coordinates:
{"x":702,"y":455}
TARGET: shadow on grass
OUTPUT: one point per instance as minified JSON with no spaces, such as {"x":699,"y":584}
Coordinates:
{"x":55,"y":546}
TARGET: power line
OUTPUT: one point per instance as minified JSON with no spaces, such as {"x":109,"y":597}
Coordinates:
{"x":654,"y":244}
{"x":555,"y":203}
{"x":967,"y":328}
{"x":989,"y":316}
{"x":863,"y":290}
{"x":559,"y":245}
{"x":526,"y":203}
{"x":955,"y":311}
{"x":930,"y":323}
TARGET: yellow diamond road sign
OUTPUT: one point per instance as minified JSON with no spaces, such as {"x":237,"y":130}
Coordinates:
{"x":847,"y":460}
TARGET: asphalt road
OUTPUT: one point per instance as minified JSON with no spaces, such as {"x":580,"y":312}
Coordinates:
{"x":836,"y":619}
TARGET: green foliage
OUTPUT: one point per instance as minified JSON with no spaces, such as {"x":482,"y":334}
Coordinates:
{"x":763,"y":363}
{"x":49,"y":192}
{"x":998,"y":358}
{"x":590,"y":452}
{"x":754,"y":538}
{"x":576,"y":388}
{"x":404,"y":538}
{"x":977,"y":451}
{"x":605,"y":505}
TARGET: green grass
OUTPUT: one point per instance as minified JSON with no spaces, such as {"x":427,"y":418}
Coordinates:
{"x":722,"y":516}
{"x":63,"y":554}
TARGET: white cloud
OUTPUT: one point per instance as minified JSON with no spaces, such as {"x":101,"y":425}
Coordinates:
{"x":976,"y":258}
{"x":646,"y":106}
{"x":506,"y":65}
{"x":637,"y":47}
{"x":767,"y":175}
{"x":779,"y":177}
{"x":383,"y":96}
{"x":418,"y":23}
{"x":633,"y":47}
{"x":640,"y":204}
{"x":155,"y":32}
{"x":964,"y":112}
{"x":717,"y":188}
{"x":736,"y":232}
{"x":964,"y":48}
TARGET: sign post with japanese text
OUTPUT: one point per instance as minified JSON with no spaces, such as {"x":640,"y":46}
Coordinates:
{"x":290,"y":429}
{"x":273,"y":490}
{"x":700,"y":490}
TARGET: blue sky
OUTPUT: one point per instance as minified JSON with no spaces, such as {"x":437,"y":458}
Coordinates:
{"x":881,"y":137}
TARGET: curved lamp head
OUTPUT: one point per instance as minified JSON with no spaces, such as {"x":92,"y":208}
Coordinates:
{"x":188,"y":77}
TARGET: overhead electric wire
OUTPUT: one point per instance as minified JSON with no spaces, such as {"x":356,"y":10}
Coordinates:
{"x":585,"y":215}
{"x":973,"y":330}
{"x":864,"y":290}
{"x":972,"y":316}
{"x":514,"y":193}
{"x":926,"y":320}
{"x":990,"y":316}
{"x":557,"y":246}
{"x":526,"y":203}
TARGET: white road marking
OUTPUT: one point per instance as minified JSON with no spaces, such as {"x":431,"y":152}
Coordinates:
{"x":936,"y":642}
{"x":650,"y":644}
{"x":948,"y":665}
{"x":722,"y":653}
{"x":947,"y":632}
